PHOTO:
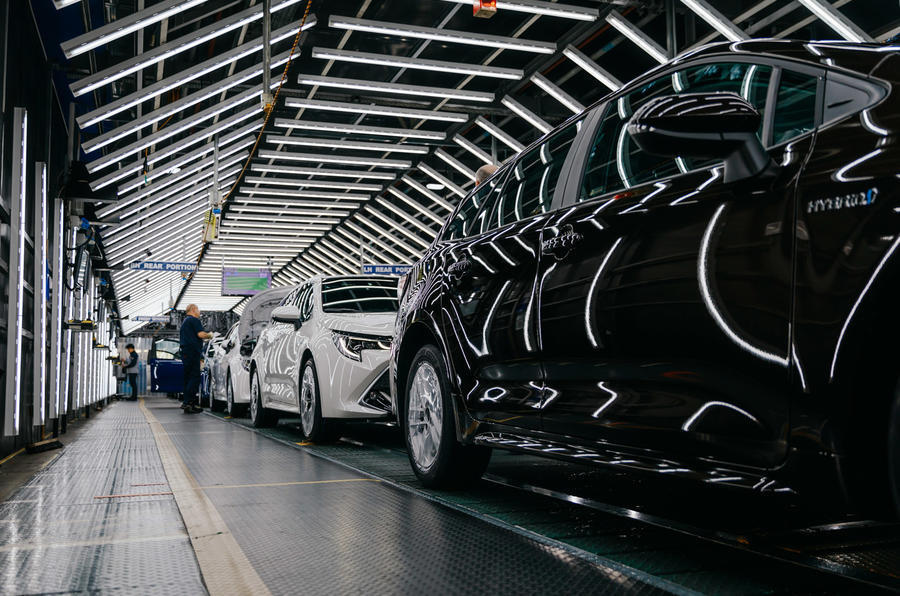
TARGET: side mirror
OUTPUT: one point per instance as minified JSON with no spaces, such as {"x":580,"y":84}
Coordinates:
{"x":247,"y":347}
{"x":287,"y":314}
{"x":703,"y":125}
{"x":229,"y":345}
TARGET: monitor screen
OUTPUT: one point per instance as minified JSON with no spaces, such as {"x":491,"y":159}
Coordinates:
{"x":245,"y":282}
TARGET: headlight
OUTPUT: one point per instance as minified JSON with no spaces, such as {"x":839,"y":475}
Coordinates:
{"x":352,"y":344}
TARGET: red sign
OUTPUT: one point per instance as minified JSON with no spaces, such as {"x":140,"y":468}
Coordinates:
{"x":484,"y":9}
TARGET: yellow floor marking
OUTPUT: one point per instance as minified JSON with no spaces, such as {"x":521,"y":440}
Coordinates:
{"x":304,"y":443}
{"x":294,"y":483}
{"x":11,"y":455}
{"x":224,"y":566}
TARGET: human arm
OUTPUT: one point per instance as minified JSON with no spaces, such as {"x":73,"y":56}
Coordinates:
{"x":204,"y":335}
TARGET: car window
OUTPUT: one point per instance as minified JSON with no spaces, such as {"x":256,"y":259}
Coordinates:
{"x":360,"y":295}
{"x":290,"y":298}
{"x":795,"y":106}
{"x":532,"y":180}
{"x":167,"y":349}
{"x":305,"y":302}
{"x":615,"y":162}
{"x":469,"y":218}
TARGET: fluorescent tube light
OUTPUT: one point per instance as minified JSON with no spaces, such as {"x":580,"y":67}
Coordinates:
{"x":40,"y":296}
{"x":446,"y":35}
{"x":346,"y":144}
{"x":275,"y":169}
{"x":716,"y":20}
{"x":394,"y":88}
{"x":476,"y":70}
{"x":526,"y":114}
{"x":424,"y":167}
{"x":337,"y":159}
{"x":424,"y":191}
{"x":360,"y":129}
{"x":589,"y":66}
{"x":550,"y":9}
{"x":300,"y":183}
{"x":637,"y":36}
{"x":473,"y":149}
{"x":837,"y":21}
{"x":125,"y":25}
{"x":557,"y":93}
{"x":377,"y":110}
{"x":455,"y":164}
{"x":496,"y":131}
{"x":308,"y":194}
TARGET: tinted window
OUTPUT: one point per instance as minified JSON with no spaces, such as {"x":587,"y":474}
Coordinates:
{"x":468,"y":219}
{"x":532,"y":182}
{"x":359,"y":295}
{"x":615,"y":162}
{"x":795,"y":108}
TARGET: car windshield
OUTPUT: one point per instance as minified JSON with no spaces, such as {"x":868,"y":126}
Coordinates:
{"x":359,"y":295}
{"x":167,"y":349}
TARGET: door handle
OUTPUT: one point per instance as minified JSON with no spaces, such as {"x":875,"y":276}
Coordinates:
{"x":459,"y":270}
{"x":561,"y":244}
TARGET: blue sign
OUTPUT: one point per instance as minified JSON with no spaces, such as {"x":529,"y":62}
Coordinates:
{"x":163,"y":266}
{"x":386,"y":269}
{"x":151,"y":319}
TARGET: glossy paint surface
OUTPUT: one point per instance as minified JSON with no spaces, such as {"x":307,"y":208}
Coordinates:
{"x":675,"y":316}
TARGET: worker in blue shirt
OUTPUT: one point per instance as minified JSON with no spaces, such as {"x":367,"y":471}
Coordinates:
{"x":192,"y":336}
{"x":130,"y":364}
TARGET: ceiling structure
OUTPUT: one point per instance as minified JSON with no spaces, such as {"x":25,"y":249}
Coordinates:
{"x":385,"y":113}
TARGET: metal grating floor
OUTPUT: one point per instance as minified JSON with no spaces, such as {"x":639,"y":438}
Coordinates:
{"x":57,"y":537}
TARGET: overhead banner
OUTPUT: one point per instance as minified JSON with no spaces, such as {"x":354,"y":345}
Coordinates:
{"x":151,"y":319}
{"x":163,"y":266}
{"x":386,"y":269}
{"x":245,"y":281}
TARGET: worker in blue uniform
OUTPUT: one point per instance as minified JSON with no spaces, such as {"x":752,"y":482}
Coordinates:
{"x":192,"y":336}
{"x":131,"y":365}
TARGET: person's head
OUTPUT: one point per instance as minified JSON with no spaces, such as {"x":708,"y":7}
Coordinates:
{"x":130,"y":347}
{"x":484,"y":172}
{"x":192,"y":310}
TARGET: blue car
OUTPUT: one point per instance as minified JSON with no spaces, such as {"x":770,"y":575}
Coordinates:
{"x":166,"y":369}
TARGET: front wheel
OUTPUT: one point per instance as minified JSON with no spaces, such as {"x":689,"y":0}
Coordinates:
{"x":437,"y":458}
{"x":259,"y":416}
{"x":232,"y":409}
{"x":315,"y":427}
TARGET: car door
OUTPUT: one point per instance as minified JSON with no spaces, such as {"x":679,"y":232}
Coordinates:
{"x":490,"y":303}
{"x":274,"y":338}
{"x":665,"y":319}
{"x":296,"y":343}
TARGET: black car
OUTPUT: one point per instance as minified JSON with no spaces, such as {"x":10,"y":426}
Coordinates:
{"x":695,"y":277}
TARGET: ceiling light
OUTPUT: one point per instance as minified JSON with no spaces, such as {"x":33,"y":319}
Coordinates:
{"x":362,"y":108}
{"x":177,"y":46}
{"x":589,"y":66}
{"x":423,"y":190}
{"x":424,"y":167}
{"x":341,"y":144}
{"x":240,"y":210}
{"x":300,"y":183}
{"x":446,"y":35}
{"x":834,"y":19}
{"x":500,"y":134}
{"x":395,"y":88}
{"x":360,"y":129}
{"x":333,"y":158}
{"x":526,"y":114}
{"x":716,"y":20}
{"x":418,"y":207}
{"x":552,"y":9}
{"x":473,"y":149}
{"x":455,"y":164}
{"x":434,"y":186}
{"x":309,"y":194}
{"x":513,"y":74}
{"x":125,"y":25}
{"x":181,"y":78}
{"x":637,"y":36}
{"x":288,"y":202}
{"x":557,"y":93}
{"x":276,"y":169}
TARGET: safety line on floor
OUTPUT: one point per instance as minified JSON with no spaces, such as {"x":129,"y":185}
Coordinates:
{"x":25,"y":546}
{"x":223,"y":565}
{"x":611,"y":566}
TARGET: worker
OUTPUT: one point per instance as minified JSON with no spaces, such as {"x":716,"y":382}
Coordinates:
{"x":130,"y":364}
{"x":484,"y":172}
{"x":192,"y":336}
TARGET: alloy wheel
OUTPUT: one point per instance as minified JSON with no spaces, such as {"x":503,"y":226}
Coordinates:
{"x":254,"y":399}
{"x":425,"y":416}
{"x":308,"y":400}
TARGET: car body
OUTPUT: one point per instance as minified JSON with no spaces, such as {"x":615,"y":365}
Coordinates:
{"x":231,"y":374}
{"x":211,"y":382}
{"x":342,"y":327}
{"x":166,"y":368}
{"x":619,"y":294}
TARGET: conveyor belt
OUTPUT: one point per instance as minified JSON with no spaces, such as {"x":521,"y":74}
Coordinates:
{"x":577,"y":505}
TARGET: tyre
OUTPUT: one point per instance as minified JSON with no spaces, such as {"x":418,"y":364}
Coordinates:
{"x":893,"y":455}
{"x":428,"y":420}
{"x":260,"y":417}
{"x":315,"y":427}
{"x":232,"y":409}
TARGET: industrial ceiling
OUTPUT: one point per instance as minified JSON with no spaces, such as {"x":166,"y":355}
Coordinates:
{"x":381,"y":119}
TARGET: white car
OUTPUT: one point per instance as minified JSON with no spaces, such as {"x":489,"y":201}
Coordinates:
{"x":231,"y":375}
{"x":325,"y":355}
